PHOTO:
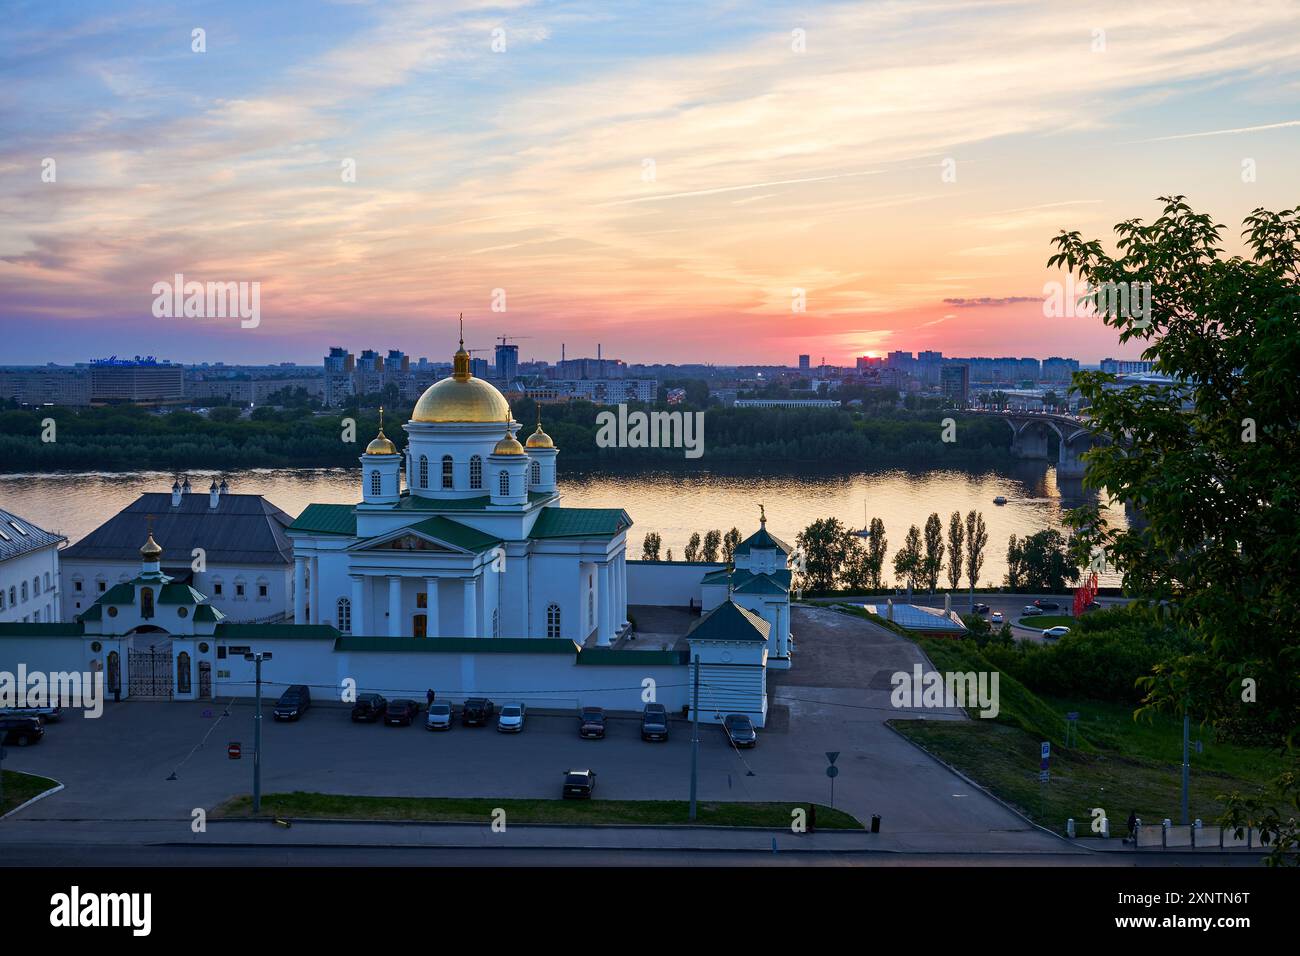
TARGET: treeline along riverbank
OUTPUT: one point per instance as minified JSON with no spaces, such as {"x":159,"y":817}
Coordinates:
{"x":120,"y":438}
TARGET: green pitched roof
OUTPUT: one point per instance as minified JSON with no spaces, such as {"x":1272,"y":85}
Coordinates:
{"x":180,"y":594}
{"x":92,"y":613}
{"x":762,"y":540}
{"x":459,"y":645}
{"x":206,"y":613}
{"x":275,"y":632}
{"x":118,"y":594}
{"x":760,"y":584}
{"x":326,"y":519}
{"x":580,"y":523}
{"x":729,"y":622}
{"x":455,"y":533}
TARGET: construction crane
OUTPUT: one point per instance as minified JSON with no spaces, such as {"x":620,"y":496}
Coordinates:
{"x":504,"y":337}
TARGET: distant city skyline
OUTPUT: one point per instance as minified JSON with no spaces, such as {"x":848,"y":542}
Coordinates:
{"x":829,"y":178}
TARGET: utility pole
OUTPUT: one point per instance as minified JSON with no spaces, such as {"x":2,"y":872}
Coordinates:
{"x":257,"y":659}
{"x":1187,"y":720}
{"x":695,"y":735}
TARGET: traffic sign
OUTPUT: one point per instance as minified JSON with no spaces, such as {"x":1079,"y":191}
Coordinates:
{"x":1072,"y":715}
{"x":832,"y":755}
{"x":1043,"y":775}
{"x":1047,"y":749}
{"x":233,"y":750}
{"x":832,"y":771}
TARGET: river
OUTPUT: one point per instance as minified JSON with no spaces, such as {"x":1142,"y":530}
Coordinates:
{"x":672,"y":503}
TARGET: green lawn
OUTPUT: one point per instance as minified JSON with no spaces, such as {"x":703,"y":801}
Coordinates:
{"x":1117,"y":763}
{"x":480,"y":810}
{"x":21,"y":787}
{"x":1044,"y":621}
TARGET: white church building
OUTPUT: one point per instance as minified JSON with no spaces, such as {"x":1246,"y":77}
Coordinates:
{"x":459,"y":569}
{"x":462,"y":536}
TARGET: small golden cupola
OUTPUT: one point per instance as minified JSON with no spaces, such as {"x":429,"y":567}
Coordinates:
{"x":381,"y":444}
{"x":539,"y":438}
{"x":509,"y":445}
{"x":151,"y":550}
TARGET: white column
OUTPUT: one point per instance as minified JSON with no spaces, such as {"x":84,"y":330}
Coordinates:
{"x":604,"y":605}
{"x":358,"y":605}
{"x":622,"y":589}
{"x":471,"y":612}
{"x":431,"y":606}
{"x":394,"y":606}
{"x":315,"y":590}
{"x":300,"y":589}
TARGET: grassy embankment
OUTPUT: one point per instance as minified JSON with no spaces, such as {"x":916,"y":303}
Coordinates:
{"x":1117,"y":763}
{"x":300,"y":805}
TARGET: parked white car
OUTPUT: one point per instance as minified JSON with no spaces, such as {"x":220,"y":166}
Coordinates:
{"x":511,"y":718}
{"x":1059,"y":631}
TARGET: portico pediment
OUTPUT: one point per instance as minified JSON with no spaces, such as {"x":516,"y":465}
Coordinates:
{"x":436,"y":534}
{"x":406,"y":540}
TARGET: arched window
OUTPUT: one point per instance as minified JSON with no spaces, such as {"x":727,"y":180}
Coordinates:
{"x":503,"y":483}
{"x":24,"y":590}
{"x":146,"y":602}
{"x":36,"y":586}
{"x":476,"y":472}
{"x":183,"y":673}
{"x":553,"y":620}
{"x":376,"y":486}
{"x":446,"y":471}
{"x":537,"y":472}
{"x":345,"y":615}
{"x":496,"y":622}
{"x":591,"y":608}
{"x":424,"y":471}
{"x":47,"y":580}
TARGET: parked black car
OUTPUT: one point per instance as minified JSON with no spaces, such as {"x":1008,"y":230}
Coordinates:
{"x":48,"y":714}
{"x":654,"y":722}
{"x":578,"y":784}
{"x":477,"y":712}
{"x":293,"y":703}
{"x":401,"y":712}
{"x":369,"y":708}
{"x":20,"y":731}
{"x":591,"y":723}
{"x":981,"y":608}
{"x":1047,"y":605}
{"x":740,"y":730}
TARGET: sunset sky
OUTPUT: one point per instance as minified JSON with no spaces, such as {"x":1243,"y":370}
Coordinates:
{"x":526,"y":170}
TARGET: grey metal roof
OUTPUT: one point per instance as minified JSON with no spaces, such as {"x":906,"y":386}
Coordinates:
{"x":241,"y":529}
{"x":914,"y":617}
{"x":19,"y":536}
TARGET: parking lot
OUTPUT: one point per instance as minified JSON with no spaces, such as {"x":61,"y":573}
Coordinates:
{"x":836,"y":698}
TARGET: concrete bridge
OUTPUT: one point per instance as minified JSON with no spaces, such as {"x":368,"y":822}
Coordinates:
{"x":1029,"y":431}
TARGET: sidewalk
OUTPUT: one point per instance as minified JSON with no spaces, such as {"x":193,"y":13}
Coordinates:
{"x":357,"y":833}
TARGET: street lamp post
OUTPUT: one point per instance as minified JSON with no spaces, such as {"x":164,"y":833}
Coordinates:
{"x":257,"y":659}
{"x":695,"y":735}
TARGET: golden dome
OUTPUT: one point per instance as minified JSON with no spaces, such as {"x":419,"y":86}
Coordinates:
{"x":539,"y":439}
{"x":152,"y":550}
{"x":457,"y":400}
{"x":381,"y":444}
{"x":461,"y":398}
{"x":508,"y":445}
